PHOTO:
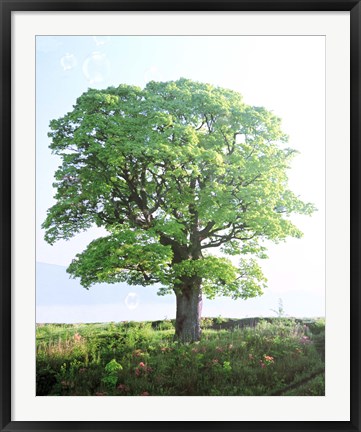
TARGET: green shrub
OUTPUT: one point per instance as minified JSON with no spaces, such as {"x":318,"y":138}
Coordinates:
{"x":165,"y":325}
{"x":206,"y":323}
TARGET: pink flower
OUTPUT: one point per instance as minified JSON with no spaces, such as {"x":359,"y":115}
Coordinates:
{"x":305,"y":340}
{"x":123,"y":387}
{"x":262,"y":364}
{"x":142,"y":368}
{"x":77,"y":337}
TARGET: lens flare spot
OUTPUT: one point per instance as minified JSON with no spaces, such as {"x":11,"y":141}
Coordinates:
{"x":132,"y":300}
{"x":96,"y":67}
{"x":68,"y":62}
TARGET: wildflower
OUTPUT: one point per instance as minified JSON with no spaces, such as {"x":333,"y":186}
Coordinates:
{"x":262,"y":364}
{"x":142,"y":368}
{"x":268,"y":359}
{"x":123,"y":388}
{"x":145,"y":393}
{"x":77,"y":337}
{"x":305,"y":340}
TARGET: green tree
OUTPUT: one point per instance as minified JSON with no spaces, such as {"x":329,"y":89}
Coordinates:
{"x":173,"y":172}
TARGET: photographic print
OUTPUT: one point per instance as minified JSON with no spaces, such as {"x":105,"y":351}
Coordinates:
{"x":180,"y":215}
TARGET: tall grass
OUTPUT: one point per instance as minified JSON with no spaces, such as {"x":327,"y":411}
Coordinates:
{"x":279,"y":357}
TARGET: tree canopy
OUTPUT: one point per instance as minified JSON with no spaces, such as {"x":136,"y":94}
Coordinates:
{"x":174,"y":172}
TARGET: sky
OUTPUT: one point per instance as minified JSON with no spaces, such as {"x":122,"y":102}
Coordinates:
{"x":285,"y":74}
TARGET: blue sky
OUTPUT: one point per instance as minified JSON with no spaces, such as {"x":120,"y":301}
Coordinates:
{"x":284,"y":74}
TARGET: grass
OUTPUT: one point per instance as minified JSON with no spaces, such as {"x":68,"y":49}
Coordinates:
{"x":275,"y":357}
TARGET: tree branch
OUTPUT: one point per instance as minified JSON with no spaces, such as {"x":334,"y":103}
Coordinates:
{"x":232,"y":235}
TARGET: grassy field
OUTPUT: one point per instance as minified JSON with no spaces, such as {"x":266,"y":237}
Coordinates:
{"x":280,"y":356}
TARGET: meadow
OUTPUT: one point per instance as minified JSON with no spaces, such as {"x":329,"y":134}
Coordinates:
{"x":261,"y":357}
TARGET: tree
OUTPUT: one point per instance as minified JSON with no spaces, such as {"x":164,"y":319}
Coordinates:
{"x":174,"y":172}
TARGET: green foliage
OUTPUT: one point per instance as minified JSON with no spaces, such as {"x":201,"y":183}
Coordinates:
{"x":112,"y":367}
{"x":278,"y":357}
{"x":111,"y":374}
{"x":206,"y":322}
{"x":313,"y":387}
{"x":126,"y":249}
{"x":172,"y":171}
{"x":219,"y":320}
{"x":165,"y":325}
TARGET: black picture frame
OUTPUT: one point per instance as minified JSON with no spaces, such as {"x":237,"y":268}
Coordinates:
{"x":6,"y":9}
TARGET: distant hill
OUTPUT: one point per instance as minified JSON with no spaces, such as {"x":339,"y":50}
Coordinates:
{"x":63,"y":300}
{"x":54,"y":287}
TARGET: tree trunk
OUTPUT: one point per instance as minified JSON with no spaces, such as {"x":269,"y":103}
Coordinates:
{"x":189,"y":310}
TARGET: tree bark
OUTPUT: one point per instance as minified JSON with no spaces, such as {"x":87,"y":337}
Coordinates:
{"x":189,"y":310}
